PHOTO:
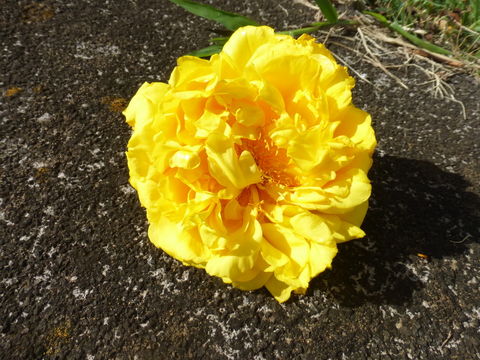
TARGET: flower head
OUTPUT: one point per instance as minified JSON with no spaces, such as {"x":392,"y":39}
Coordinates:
{"x":253,"y":164}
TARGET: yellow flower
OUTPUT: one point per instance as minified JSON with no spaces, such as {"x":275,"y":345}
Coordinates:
{"x":253,"y":164}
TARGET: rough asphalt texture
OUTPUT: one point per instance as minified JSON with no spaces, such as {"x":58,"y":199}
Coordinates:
{"x":79,"y":278}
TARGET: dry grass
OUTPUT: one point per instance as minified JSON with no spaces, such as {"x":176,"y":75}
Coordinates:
{"x":373,"y":45}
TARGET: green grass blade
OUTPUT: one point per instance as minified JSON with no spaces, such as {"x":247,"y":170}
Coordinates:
{"x":230,"y":20}
{"x":412,"y":38}
{"x":305,"y":30}
{"x":328,"y":10}
{"x":208,"y":51}
{"x":316,"y":26}
{"x":476,"y":10}
{"x":219,"y":40}
{"x":337,"y":23}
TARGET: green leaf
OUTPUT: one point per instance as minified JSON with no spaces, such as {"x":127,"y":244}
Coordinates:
{"x":412,"y":38}
{"x":230,"y":20}
{"x":208,"y":51}
{"x":328,"y":10}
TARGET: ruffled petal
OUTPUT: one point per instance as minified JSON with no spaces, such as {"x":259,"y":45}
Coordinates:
{"x":244,"y":42}
{"x":226,"y":167}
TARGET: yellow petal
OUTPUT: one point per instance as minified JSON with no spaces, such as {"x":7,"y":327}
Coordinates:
{"x":280,"y":290}
{"x":209,"y":123}
{"x":347,"y":232}
{"x":356,"y":125}
{"x":345,"y":226}
{"x":142,"y":107}
{"x":249,"y":115}
{"x":244,"y":42}
{"x":228,"y":169}
{"x":321,"y":257}
{"x":191,"y":73}
{"x":359,"y":189}
{"x":351,"y":188}
{"x":185,"y":160}
{"x":230,"y":267}
{"x":286,"y":241}
{"x":256,"y":282}
{"x":212,"y":239}
{"x":279,"y":66}
{"x":270,"y":95}
{"x":338,"y":92}
{"x":356,"y":215}
{"x":181,"y":245}
{"x":310,"y":149}
{"x":274,"y":257}
{"x":233,"y":210}
{"x":312,"y":227}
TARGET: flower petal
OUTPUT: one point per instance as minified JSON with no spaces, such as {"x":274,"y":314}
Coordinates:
{"x":177,"y":243}
{"x":244,"y":42}
{"x":142,"y":107}
{"x":280,"y":290}
{"x":312,"y":227}
{"x":228,"y":169}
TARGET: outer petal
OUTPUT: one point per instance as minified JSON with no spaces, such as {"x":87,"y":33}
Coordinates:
{"x":143,"y":105}
{"x":230,"y":266}
{"x":321,"y":257}
{"x":350,"y":189}
{"x":274,"y":257}
{"x":279,"y":66}
{"x":312,"y":227}
{"x":280,"y":290}
{"x":191,"y":73}
{"x":356,"y":125}
{"x":177,"y":243}
{"x":288,"y":243}
{"x":244,"y":42}
{"x":255,"y":283}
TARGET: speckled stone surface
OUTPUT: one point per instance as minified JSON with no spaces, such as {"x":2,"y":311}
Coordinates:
{"x":79,"y":278}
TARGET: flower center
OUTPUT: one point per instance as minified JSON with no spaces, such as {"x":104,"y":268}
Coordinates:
{"x":272,"y":161}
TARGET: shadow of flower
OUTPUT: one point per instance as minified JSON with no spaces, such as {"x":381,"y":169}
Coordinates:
{"x":418,"y":213}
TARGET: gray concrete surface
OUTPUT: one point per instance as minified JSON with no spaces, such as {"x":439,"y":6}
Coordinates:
{"x":79,"y":278}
